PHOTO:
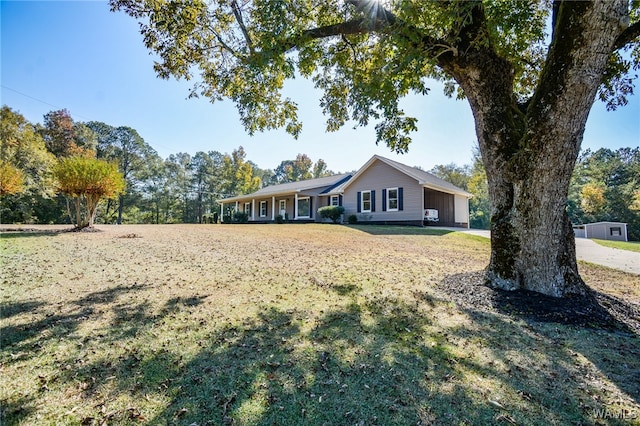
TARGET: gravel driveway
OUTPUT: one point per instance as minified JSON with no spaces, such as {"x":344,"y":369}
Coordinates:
{"x":590,"y":251}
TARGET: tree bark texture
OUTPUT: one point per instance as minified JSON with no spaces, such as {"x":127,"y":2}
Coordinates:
{"x":530,"y":150}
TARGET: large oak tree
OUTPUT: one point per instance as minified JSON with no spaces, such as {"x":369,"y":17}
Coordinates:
{"x":530,"y":90}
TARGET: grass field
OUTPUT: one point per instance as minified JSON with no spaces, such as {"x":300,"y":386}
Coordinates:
{"x":622,"y":245}
{"x":290,"y":325}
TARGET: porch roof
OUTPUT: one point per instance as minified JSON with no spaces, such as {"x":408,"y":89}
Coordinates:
{"x":324,"y":184}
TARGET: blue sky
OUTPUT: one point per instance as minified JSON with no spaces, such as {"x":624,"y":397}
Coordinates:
{"x":80,"y":56}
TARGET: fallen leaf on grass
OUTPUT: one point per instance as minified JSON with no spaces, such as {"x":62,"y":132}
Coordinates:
{"x":496,"y":404}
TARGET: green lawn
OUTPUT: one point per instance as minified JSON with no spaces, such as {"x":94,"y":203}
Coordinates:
{"x":622,"y":245}
{"x":288,"y":325}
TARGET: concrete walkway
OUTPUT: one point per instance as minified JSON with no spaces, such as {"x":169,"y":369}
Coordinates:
{"x":589,"y":251}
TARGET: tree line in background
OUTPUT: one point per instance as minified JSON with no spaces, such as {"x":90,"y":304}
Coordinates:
{"x":186,"y":188}
{"x":183,"y":188}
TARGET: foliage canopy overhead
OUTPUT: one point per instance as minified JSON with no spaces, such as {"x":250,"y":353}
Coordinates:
{"x":364,"y":55}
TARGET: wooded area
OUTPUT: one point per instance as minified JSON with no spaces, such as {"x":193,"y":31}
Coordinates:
{"x":182,"y":188}
{"x":185,"y":188}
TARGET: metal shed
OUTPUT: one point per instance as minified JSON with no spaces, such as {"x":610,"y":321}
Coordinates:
{"x":616,"y":231}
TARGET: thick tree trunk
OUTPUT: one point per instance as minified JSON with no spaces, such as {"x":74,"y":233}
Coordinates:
{"x":120,"y":209}
{"x":533,"y":246}
{"x":529,"y":151}
{"x":78,"y":206}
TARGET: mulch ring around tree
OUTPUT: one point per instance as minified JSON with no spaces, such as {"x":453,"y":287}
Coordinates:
{"x":593,"y":310}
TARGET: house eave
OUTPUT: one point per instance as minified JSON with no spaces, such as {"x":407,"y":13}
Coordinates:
{"x":445,"y":190}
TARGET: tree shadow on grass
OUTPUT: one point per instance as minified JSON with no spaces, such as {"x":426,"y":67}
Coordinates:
{"x":10,"y":309}
{"x":13,"y":233}
{"x":362,"y":364}
{"x":602,"y":328}
{"x":13,"y":412}
{"x":25,"y":339}
{"x":399,"y":230}
{"x":109,"y":295}
{"x":372,"y":361}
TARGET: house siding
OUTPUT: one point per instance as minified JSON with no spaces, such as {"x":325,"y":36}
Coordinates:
{"x":377,"y":177}
{"x":461,"y":213}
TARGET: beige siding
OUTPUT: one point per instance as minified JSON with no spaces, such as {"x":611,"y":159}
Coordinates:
{"x":256,"y":215}
{"x":461,"y":209}
{"x":377,"y":177}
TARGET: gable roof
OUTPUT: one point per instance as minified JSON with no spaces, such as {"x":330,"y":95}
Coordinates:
{"x":423,"y":178}
{"x":292,"y":187}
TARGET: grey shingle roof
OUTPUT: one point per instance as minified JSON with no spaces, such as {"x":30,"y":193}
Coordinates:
{"x":292,"y":187}
{"x":423,"y":178}
{"x":336,"y":184}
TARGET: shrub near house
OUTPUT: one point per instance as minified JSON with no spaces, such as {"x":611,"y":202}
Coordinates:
{"x":331,"y":212}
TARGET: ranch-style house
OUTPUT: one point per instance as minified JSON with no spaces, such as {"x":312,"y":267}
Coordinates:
{"x":383,"y":191}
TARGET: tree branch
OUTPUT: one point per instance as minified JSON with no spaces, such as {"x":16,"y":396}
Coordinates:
{"x":238,"y":14}
{"x":388,"y":24}
{"x":630,"y":34}
{"x":554,"y":18}
{"x":222,"y":43}
{"x":356,"y":26}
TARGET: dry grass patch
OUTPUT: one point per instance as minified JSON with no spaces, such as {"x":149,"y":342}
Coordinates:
{"x":289,"y":325}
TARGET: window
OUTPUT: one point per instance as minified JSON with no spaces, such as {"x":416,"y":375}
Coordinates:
{"x":304,"y":207}
{"x":263,"y":209}
{"x":335,"y":200}
{"x":615,"y":231}
{"x":392,"y":199}
{"x":366,"y":201}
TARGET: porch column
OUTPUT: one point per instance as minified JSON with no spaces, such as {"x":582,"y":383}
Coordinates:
{"x":253,"y":209}
{"x":273,"y":208}
{"x":237,"y":208}
{"x":422,"y":207}
{"x":221,"y":211}
{"x":295,"y":206}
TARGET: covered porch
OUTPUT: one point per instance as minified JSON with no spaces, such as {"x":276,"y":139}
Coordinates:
{"x":291,"y":201}
{"x":297,"y":206}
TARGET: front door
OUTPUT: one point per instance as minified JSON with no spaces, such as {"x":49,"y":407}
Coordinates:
{"x":283,"y":208}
